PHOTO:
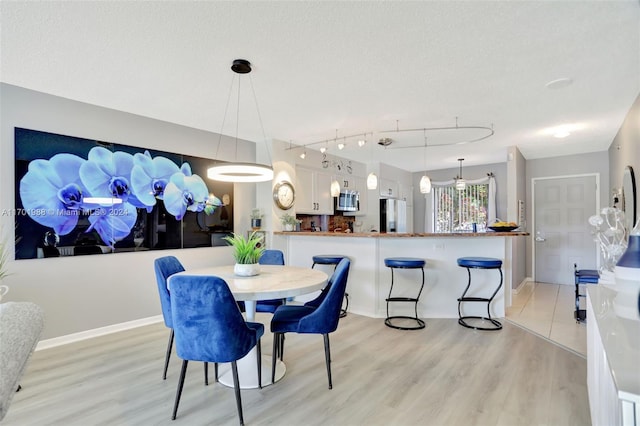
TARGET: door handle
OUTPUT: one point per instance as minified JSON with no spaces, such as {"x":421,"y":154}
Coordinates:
{"x":540,"y":239}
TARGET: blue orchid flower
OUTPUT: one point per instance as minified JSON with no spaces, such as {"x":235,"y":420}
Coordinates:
{"x":185,"y":192}
{"x":212,"y":204}
{"x":113,"y":223}
{"x":52,"y":192}
{"x":149,"y":177}
{"x":108,"y":174}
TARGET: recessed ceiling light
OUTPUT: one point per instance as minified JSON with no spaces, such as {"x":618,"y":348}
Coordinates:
{"x":561,"y":134}
{"x":559,"y":83}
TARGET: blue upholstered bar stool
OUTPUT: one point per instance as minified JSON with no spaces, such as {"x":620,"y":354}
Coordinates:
{"x":332,"y":259}
{"x":583,"y":276}
{"x":479,"y":263}
{"x":404,"y":263}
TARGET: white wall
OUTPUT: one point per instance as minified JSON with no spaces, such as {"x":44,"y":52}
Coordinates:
{"x":89,"y":292}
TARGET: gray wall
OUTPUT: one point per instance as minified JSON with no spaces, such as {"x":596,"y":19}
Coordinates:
{"x":89,"y":292}
{"x":595,"y":162}
{"x":625,"y":150}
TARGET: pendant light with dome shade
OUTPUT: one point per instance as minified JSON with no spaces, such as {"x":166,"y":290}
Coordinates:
{"x":425,"y":181}
{"x":461,"y":184}
{"x":335,"y":185}
{"x":240,"y":171}
{"x":372,"y":178}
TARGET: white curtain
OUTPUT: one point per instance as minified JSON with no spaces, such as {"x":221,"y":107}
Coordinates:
{"x":493,"y":209}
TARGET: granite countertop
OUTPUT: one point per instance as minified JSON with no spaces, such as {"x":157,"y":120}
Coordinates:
{"x":402,"y":235}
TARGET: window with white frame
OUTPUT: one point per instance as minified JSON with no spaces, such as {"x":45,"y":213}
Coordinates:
{"x":455,"y":210}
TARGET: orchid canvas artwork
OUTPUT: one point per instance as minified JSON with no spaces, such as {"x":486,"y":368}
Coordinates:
{"x":79,"y":196}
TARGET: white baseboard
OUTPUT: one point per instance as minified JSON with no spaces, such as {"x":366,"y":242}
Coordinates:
{"x":522,"y":284}
{"x":88,"y":334}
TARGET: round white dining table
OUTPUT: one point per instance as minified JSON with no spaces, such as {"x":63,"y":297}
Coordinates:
{"x":273,"y":282}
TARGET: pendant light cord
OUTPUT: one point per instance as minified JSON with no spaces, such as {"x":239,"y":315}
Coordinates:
{"x":264,"y":136}
{"x":224,"y":117}
{"x":425,"y":152}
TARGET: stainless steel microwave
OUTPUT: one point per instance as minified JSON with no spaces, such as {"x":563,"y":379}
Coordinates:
{"x":348,"y":201}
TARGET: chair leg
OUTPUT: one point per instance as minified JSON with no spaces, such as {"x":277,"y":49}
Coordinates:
{"x":206,"y":374}
{"x":276,"y":347}
{"x":259,"y":347}
{"x":215,"y":370}
{"x":168,"y":355}
{"x":281,"y":346}
{"x":236,"y":385}
{"x":183,"y":373}
{"x":327,"y":357}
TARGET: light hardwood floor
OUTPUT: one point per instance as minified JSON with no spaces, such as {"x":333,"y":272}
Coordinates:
{"x":547,"y":309}
{"x":442,"y":375}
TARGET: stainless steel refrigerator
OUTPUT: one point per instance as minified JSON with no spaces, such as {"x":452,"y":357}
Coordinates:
{"x":393,"y":215}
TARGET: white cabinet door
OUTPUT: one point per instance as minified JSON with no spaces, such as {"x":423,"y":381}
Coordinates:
{"x":406,"y":193}
{"x":313,"y":195}
{"x":388,"y":188}
{"x":324,"y":200}
{"x":348,"y":183}
{"x":304,"y":191}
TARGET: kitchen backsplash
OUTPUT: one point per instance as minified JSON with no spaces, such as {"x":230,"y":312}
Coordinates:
{"x":326,"y":223}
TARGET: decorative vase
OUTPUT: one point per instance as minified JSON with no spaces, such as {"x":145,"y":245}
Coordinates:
{"x":246,"y":269}
{"x":288,"y":227}
{"x":256,"y":223}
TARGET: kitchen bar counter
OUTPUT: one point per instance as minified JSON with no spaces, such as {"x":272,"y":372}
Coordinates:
{"x":402,"y":235}
{"x":369,"y":279}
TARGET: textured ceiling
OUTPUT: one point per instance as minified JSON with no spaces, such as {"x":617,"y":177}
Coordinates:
{"x":345,"y":68}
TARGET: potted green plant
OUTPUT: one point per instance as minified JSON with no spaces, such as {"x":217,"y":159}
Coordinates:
{"x":256,"y":219}
{"x":247,"y":252}
{"x":289,"y":222}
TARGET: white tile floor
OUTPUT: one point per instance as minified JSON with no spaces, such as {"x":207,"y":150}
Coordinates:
{"x":547,"y":309}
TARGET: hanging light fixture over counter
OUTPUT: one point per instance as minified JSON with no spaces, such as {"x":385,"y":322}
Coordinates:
{"x":461,"y":184}
{"x":237,"y":171}
{"x":425,"y":181}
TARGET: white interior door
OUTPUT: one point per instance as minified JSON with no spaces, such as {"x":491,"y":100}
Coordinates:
{"x":562,"y":235}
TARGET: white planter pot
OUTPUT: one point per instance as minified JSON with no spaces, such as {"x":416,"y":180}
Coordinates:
{"x":246,"y":270}
{"x":288,"y":227}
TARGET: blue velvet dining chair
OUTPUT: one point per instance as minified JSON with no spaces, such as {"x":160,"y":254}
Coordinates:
{"x":209,"y":327}
{"x":165,"y":267}
{"x":269,"y":257}
{"x":319,"y":316}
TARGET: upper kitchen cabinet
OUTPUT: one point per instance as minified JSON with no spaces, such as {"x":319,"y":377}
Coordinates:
{"x":313,"y":192}
{"x":388,"y":188}
{"x":405,"y":192}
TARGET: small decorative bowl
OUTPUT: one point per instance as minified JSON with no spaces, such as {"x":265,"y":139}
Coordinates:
{"x":502,"y":228}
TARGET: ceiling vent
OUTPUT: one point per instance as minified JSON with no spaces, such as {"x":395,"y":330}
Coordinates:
{"x":385,"y":141}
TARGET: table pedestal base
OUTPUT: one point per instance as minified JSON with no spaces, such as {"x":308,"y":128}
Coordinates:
{"x":247,"y":374}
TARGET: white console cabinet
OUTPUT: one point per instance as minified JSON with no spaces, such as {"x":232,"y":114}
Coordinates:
{"x":613,"y":360}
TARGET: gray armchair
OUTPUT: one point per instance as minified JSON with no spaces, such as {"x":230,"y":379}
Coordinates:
{"x":21,"y":325}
